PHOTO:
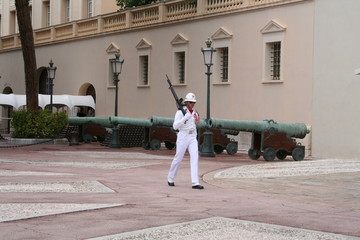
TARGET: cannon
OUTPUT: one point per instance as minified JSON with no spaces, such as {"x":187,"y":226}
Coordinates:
{"x":161,"y":131}
{"x":168,"y":122}
{"x":269,"y":138}
{"x":130,"y":121}
{"x":88,"y":127}
{"x":130,"y":130}
{"x":102,"y":121}
{"x":110,"y":121}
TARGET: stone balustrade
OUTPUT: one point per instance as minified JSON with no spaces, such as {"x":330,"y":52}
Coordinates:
{"x":157,"y":13}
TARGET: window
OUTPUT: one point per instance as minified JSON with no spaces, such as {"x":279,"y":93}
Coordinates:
{"x":180,"y":66}
{"x":275,"y":55}
{"x":48,"y":16}
{"x":90,"y":8}
{"x":67,"y":11}
{"x":144,"y":63}
{"x":273,"y":60}
{"x":144,"y":70}
{"x":224,"y":63}
{"x":221,"y":58}
{"x":45,"y":14}
{"x":12,"y":22}
{"x":273,"y":51}
{"x":221,"y":63}
{"x":179,"y":49}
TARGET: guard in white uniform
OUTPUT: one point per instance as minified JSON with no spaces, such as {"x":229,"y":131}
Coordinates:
{"x":186,"y":140}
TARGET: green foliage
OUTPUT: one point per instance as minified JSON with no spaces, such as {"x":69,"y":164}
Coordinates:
{"x":38,"y":124}
{"x":133,"y":3}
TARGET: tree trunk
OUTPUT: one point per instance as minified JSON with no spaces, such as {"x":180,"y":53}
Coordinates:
{"x":28,"y":49}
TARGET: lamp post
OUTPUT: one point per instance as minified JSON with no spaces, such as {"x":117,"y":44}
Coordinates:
{"x":116,"y":64}
{"x":207,"y":149}
{"x":51,"y":76}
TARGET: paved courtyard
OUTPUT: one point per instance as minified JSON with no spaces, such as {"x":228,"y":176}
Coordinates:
{"x":93,"y":192}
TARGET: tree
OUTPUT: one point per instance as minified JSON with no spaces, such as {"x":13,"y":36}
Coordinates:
{"x":133,"y":3}
{"x":28,"y":50}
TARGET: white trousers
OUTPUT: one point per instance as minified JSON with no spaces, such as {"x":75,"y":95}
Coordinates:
{"x":185,"y":142}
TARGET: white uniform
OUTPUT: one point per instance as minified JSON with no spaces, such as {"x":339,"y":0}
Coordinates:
{"x":186,"y":139}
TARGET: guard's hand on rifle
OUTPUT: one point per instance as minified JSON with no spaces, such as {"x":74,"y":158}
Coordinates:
{"x":187,"y":116}
{"x":197,"y":118}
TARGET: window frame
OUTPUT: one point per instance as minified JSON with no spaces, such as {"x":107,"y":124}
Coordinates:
{"x":273,"y":33}
{"x":180,"y":67}
{"x":144,"y":71}
{"x":90,"y":8}
{"x":217,"y":68}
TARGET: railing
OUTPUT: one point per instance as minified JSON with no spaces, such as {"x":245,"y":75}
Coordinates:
{"x":42,"y":36}
{"x":8,"y":42}
{"x":156,"y":13}
{"x":87,"y":27}
{"x":181,"y":9}
{"x":114,"y":22}
{"x":224,"y":5}
{"x":145,"y":16}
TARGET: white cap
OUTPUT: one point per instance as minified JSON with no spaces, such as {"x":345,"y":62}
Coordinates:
{"x":190,"y":97}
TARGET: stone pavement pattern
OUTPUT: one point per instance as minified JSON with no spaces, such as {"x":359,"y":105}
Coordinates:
{"x":93,"y":192}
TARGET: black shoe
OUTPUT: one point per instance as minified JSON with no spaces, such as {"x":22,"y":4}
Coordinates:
{"x":171,"y":184}
{"x":197,"y":187}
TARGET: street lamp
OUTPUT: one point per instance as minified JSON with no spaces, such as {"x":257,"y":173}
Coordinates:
{"x":116,"y":64}
{"x":207,"y":149}
{"x":51,"y":76}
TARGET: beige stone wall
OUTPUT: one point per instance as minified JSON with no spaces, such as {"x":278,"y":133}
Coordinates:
{"x":336,"y":88}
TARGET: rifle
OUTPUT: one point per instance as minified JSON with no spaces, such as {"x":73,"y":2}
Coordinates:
{"x":179,"y":102}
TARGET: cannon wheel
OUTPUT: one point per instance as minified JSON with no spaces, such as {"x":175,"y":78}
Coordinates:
{"x":88,"y":138}
{"x":281,"y":154}
{"x":269,"y":154}
{"x":146,"y":145}
{"x":252,"y":154}
{"x":155,"y":144}
{"x":232,"y":148}
{"x":298,"y":154}
{"x":169,"y":145}
{"x":100,"y":138}
{"x":218,"y":148}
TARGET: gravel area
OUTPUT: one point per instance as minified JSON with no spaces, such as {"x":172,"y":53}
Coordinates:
{"x":287,"y":169}
{"x":223,"y":228}
{"x":116,"y":155}
{"x":83,"y":164}
{"x":62,"y":187}
{"x":6,"y":173}
{"x":17,"y":211}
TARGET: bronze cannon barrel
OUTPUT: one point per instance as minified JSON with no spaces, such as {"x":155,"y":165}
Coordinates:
{"x":102,"y":121}
{"x":297,"y":130}
{"x":110,"y":121}
{"x":168,"y":122}
{"x":131,"y":121}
